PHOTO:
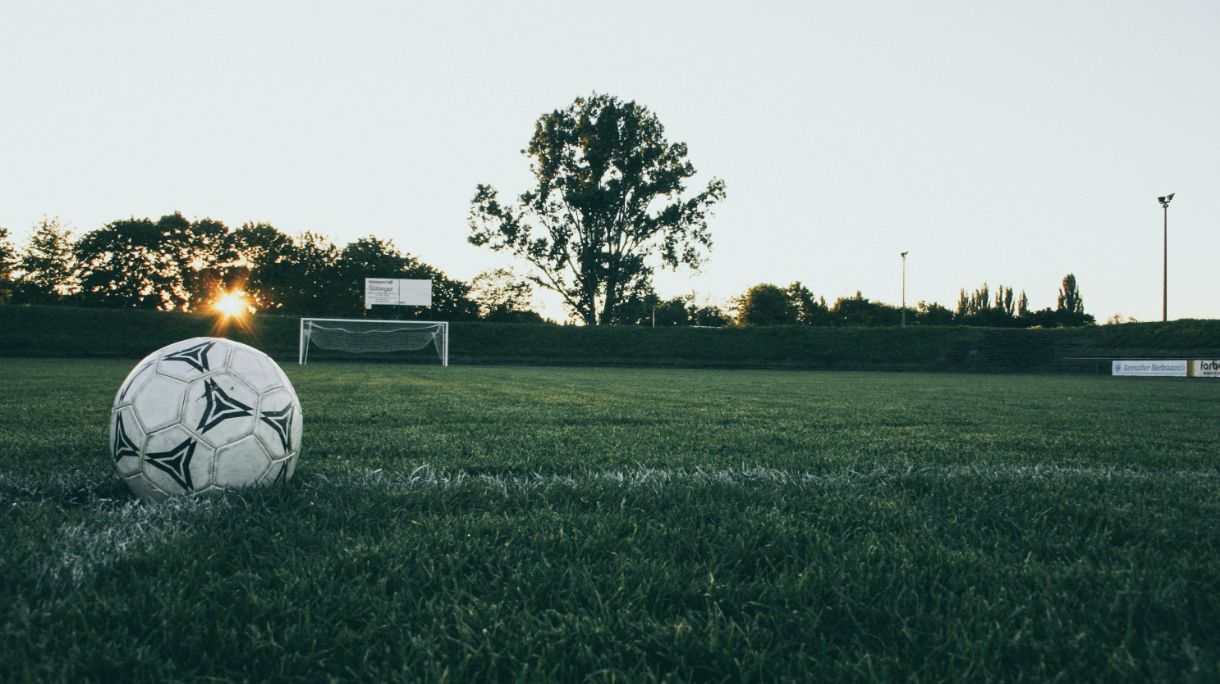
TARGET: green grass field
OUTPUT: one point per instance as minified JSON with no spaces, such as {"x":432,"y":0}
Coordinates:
{"x":467,"y":524}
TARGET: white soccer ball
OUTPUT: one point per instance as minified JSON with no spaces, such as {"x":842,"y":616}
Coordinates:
{"x":204,"y":415}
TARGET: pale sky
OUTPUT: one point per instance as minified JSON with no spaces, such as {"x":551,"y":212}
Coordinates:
{"x":1007,"y":142}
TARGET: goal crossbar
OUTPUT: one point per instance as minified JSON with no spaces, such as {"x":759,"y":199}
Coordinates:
{"x":363,"y":335}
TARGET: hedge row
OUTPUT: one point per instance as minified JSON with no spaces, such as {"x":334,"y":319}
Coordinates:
{"x":68,"y":331}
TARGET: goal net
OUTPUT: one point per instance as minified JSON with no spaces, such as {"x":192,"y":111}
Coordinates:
{"x":362,"y":336}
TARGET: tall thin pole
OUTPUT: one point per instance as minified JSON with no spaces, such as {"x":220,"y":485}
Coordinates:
{"x":1165,"y":268}
{"x":904,"y":289}
{"x":1165,"y":200}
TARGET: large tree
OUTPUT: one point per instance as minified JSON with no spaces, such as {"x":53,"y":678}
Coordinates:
{"x":172,"y":263}
{"x":306,"y":275}
{"x":45,"y":265}
{"x":121,"y":265}
{"x":810,"y":310}
{"x":861,"y":311}
{"x":764,"y":304}
{"x":197,"y":255}
{"x":1069,"y":299}
{"x":1069,"y":306}
{"x":672,"y":312}
{"x":262,"y":255}
{"x":609,"y":204}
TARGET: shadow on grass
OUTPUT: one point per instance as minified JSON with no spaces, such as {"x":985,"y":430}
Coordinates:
{"x":70,"y":492}
{"x":65,"y":491}
{"x":91,"y":493}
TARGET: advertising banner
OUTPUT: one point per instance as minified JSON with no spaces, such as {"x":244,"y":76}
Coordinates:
{"x":1149,"y":368}
{"x":1205,"y":369}
{"x":397,"y":292}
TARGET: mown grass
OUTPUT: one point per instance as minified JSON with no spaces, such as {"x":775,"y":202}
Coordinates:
{"x":466,"y":524}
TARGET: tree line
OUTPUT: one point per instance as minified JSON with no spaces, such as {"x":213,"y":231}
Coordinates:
{"x":176,"y":264}
{"x":767,"y":304}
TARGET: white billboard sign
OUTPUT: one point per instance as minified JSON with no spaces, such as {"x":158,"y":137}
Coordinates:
{"x":1149,"y":368}
{"x":1205,"y":369}
{"x":397,"y":292}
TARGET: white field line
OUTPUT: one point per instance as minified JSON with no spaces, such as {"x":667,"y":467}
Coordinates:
{"x":114,"y":528}
{"x":116,"y":532}
{"x":120,"y":528}
{"x":642,"y":476}
{"x":17,"y":490}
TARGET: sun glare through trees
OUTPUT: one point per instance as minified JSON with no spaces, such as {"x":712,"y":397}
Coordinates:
{"x":233,"y":304}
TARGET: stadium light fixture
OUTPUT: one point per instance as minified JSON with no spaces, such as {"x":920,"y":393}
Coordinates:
{"x":904,"y":288}
{"x":1164,"y":200}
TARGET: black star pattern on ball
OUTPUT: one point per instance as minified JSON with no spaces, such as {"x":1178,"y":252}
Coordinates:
{"x":176,"y":462}
{"x":196,"y":356}
{"x":220,"y":407}
{"x":123,"y":446}
{"x":281,"y":422}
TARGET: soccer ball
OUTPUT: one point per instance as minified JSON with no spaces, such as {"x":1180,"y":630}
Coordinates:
{"x":204,"y":415}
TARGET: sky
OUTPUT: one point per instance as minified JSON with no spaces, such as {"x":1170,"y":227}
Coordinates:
{"x":1000,"y":142}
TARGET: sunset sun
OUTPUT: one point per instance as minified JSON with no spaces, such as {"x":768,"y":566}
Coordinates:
{"x":233,"y":304}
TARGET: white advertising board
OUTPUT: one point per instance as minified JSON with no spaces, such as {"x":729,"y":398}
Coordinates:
{"x":397,"y":292}
{"x":1149,"y":368}
{"x":1205,"y":369}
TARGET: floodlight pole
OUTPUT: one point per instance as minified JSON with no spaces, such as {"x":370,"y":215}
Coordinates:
{"x":1165,"y":258}
{"x":904,"y":288}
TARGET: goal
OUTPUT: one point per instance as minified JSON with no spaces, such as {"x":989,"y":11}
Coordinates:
{"x":363,"y":336}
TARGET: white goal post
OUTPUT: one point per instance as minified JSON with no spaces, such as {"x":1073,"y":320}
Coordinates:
{"x":362,"y":336}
